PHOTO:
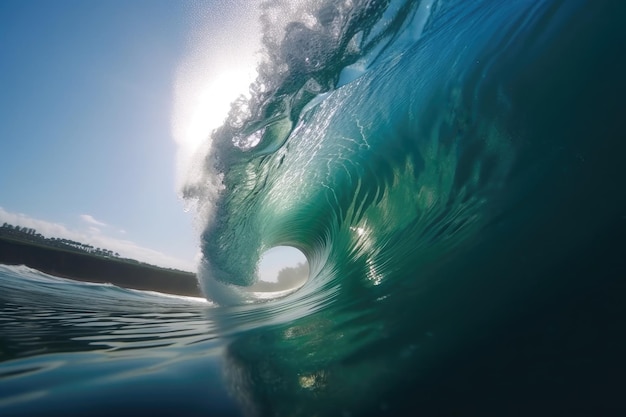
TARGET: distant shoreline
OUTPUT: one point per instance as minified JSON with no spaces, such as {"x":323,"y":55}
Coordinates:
{"x":88,"y":267}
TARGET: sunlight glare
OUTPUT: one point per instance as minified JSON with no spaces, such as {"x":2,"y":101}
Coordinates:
{"x":212,"y":104}
{"x":211,"y":76}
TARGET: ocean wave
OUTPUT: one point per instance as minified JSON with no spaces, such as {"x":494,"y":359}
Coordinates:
{"x":436,"y":162}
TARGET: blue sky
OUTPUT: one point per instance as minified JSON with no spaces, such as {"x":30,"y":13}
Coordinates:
{"x":86,"y":107}
{"x":103,"y":105}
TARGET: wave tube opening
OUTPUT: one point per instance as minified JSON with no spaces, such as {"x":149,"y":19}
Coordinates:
{"x":281,"y":269}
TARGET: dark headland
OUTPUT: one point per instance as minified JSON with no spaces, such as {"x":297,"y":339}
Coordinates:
{"x":74,"y":260}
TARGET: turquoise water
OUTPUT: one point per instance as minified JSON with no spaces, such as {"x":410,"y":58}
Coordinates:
{"x":453,"y":172}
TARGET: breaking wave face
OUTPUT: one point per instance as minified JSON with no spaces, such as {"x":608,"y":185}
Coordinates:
{"x":435,"y":156}
{"x":384,"y":138}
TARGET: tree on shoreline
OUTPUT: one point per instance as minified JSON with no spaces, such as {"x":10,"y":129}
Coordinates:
{"x":31,"y":235}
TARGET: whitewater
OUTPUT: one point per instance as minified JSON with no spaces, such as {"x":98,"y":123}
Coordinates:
{"x":453,"y":172}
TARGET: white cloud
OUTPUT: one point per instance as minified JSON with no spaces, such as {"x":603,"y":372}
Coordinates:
{"x":94,"y":230}
{"x":48,"y":229}
{"x":89,"y":219}
{"x":93,"y":236}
